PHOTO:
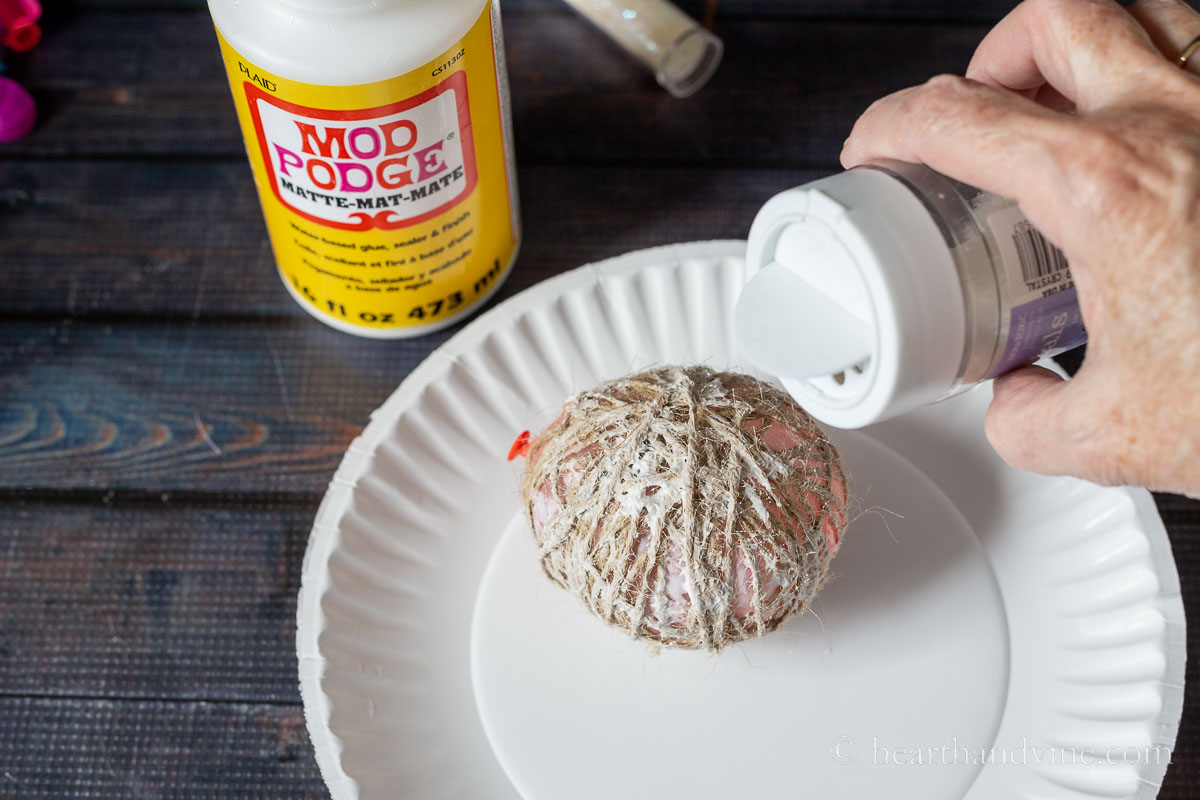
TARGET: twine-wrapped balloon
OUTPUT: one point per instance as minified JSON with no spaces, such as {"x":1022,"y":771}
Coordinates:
{"x":686,"y":506}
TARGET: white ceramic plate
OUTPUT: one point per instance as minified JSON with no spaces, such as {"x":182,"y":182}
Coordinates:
{"x":989,"y":634}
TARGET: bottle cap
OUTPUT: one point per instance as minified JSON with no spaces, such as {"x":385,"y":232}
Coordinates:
{"x":852,"y":299}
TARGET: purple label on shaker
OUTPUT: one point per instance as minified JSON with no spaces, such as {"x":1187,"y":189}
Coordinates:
{"x":1042,"y":327}
{"x":1045,"y":318}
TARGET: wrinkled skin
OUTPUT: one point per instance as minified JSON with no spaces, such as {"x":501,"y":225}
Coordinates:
{"x":1078,"y":110}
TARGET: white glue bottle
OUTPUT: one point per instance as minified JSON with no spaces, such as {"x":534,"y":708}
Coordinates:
{"x":888,"y":287}
{"x":378,"y":133}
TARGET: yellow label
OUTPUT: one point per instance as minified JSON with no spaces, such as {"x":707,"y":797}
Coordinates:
{"x":389,"y":205}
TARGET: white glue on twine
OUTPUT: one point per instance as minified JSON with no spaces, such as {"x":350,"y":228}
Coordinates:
{"x":888,"y":287}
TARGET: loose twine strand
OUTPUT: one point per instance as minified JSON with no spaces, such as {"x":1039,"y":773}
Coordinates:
{"x":674,"y":507}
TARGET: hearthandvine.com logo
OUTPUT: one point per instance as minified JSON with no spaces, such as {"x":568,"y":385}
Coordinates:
{"x":847,"y":750}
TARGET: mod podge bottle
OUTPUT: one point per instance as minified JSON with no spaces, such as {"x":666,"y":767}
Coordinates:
{"x":890,"y":286}
{"x":378,"y":133}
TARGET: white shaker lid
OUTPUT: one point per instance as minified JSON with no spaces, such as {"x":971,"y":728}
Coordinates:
{"x":852,"y":299}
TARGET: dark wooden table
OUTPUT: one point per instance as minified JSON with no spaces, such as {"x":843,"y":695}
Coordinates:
{"x":169,"y":417}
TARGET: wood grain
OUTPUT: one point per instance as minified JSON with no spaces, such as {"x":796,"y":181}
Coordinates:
{"x":193,"y":601}
{"x":186,"y":601}
{"x":237,"y":389}
{"x":786,"y":94}
{"x":928,"y":10}
{"x":169,"y":418}
{"x":980,"y":10}
{"x":157,"y":598}
{"x":185,"y":240}
{"x":1181,"y":518}
{"x":236,"y":407}
{"x":86,"y":748}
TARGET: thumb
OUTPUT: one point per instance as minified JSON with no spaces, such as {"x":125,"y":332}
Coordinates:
{"x":1023,"y":422}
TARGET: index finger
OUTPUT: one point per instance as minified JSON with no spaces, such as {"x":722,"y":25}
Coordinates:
{"x":988,"y":137}
{"x":1090,"y":51}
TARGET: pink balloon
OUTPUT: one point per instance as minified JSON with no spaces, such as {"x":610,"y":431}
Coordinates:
{"x":17,"y":111}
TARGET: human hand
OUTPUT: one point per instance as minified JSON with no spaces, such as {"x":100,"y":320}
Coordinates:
{"x":1070,"y":108}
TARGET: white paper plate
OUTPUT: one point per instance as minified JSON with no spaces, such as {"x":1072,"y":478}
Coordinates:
{"x":989,"y":633}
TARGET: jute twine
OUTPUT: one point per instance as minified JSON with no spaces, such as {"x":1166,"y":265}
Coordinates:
{"x":686,"y":506}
